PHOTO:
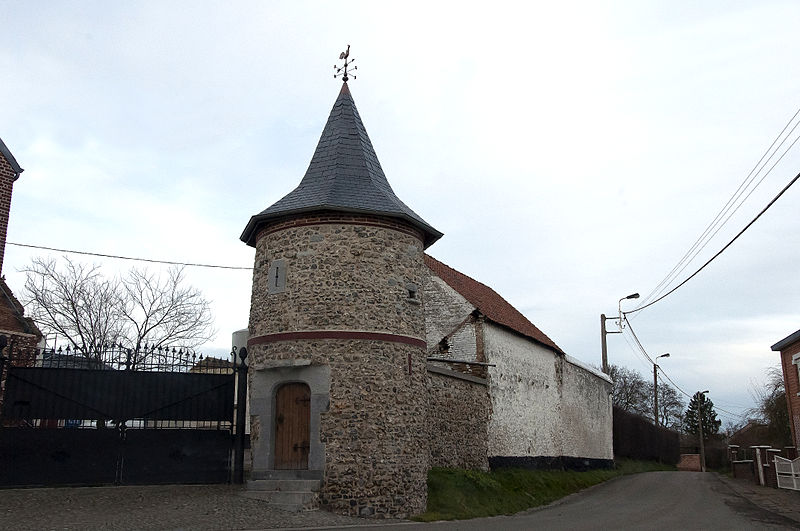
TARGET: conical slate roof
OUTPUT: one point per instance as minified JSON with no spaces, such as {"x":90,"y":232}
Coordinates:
{"x":344,"y":175}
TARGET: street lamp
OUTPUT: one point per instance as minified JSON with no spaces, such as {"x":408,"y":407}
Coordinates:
{"x":603,"y":332}
{"x":655,"y":387}
{"x":619,"y":306}
{"x":700,"y":427}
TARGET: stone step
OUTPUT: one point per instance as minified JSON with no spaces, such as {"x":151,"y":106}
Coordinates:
{"x":287,"y":474}
{"x":286,"y":485}
{"x":289,"y":494}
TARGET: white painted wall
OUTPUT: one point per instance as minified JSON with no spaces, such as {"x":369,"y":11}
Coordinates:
{"x":586,"y":412}
{"x":544,"y":404}
{"x":525,"y":419}
{"x":445,"y":313}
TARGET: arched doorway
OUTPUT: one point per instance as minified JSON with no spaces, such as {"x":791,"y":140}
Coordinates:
{"x":292,"y":420}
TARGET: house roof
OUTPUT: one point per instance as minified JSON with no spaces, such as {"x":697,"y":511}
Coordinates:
{"x":10,"y":158}
{"x":489,"y":303}
{"x":11,"y":302}
{"x":786,"y":341}
{"x":344,"y":175}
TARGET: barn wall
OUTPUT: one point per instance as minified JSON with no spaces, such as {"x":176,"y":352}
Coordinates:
{"x":446,"y":313}
{"x":547,"y":410}
{"x":524,"y":385}
{"x":586,"y":412}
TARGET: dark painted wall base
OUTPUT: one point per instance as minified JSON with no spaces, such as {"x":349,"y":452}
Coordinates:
{"x":550,"y":463}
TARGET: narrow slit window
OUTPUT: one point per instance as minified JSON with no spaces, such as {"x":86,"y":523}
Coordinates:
{"x":277,"y":276}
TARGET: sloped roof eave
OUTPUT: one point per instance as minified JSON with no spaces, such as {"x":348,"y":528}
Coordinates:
{"x":250,"y":232}
{"x":786,"y":341}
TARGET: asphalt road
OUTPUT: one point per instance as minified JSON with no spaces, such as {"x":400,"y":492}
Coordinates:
{"x":655,"y":500}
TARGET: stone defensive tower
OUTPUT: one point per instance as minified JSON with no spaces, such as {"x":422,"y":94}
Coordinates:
{"x":337,"y":331}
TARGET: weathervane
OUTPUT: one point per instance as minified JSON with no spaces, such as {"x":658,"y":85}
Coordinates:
{"x":342,"y":70}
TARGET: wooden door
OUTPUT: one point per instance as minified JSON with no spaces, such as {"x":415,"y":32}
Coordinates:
{"x":292,"y":418}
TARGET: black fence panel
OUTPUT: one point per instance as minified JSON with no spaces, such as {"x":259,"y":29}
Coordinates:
{"x":637,"y":438}
{"x":43,"y":457}
{"x":116,"y":416}
{"x":45,"y":393}
{"x":176,"y":456}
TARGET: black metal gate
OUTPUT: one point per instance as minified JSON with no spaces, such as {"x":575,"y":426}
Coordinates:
{"x":124,"y":417}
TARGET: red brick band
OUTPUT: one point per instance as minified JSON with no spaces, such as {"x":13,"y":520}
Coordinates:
{"x":336,"y":334}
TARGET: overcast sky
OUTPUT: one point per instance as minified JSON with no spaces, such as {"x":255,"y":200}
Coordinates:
{"x":570,"y":152}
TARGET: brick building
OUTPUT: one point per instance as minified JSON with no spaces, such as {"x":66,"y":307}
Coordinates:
{"x":789,"y":347}
{"x":21,"y":331}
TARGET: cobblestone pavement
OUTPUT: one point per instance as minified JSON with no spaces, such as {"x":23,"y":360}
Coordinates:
{"x":203,"y":507}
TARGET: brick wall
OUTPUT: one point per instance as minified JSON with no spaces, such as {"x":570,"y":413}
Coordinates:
{"x":6,"y":186}
{"x":790,"y":377}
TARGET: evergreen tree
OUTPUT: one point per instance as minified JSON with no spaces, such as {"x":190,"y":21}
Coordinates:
{"x":702,"y":407}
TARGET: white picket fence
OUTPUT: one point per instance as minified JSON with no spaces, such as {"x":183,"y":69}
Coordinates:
{"x":788,"y":473}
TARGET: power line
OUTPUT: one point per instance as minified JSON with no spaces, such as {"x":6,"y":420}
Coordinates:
{"x":151,"y":260}
{"x":740,"y":190}
{"x":670,"y":292}
{"x":740,"y":203}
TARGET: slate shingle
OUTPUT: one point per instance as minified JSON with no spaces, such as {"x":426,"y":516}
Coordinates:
{"x":344,"y":175}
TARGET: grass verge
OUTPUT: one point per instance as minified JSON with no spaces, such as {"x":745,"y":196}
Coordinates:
{"x":459,"y":494}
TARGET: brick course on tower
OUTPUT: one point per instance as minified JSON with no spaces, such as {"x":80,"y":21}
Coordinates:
{"x":336,"y":308}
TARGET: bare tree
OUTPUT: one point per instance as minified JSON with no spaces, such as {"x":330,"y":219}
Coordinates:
{"x":90,"y":311}
{"x":633,"y":393}
{"x":74,"y":302}
{"x":630,"y":390}
{"x":670,"y":406}
{"x":161,"y":310}
{"x":771,"y":407}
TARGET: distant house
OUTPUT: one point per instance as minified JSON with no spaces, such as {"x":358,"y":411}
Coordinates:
{"x":21,"y":331}
{"x":789,"y":347}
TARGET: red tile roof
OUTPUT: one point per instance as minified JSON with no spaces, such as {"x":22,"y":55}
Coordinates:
{"x":489,"y":303}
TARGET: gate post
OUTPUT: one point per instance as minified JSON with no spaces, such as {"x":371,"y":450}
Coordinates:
{"x":241,"y":408}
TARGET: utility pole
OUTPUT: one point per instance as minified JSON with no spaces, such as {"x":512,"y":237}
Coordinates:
{"x":702,"y":448}
{"x":700,"y":431}
{"x":655,"y":387}
{"x":655,"y":394}
{"x":604,"y":332}
{"x":604,"y":346}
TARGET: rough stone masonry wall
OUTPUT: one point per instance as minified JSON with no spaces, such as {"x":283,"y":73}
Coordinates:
{"x":353,"y":274}
{"x":458,"y":418}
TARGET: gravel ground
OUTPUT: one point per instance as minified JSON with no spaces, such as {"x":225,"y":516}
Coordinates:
{"x":153,"y":507}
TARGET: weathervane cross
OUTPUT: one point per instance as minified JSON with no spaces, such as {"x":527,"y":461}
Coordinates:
{"x":342,"y":70}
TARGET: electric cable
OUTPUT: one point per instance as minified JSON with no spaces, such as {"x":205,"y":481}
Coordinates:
{"x":151,"y":260}
{"x":673,"y":290}
{"x":740,"y":203}
{"x":744,"y":184}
